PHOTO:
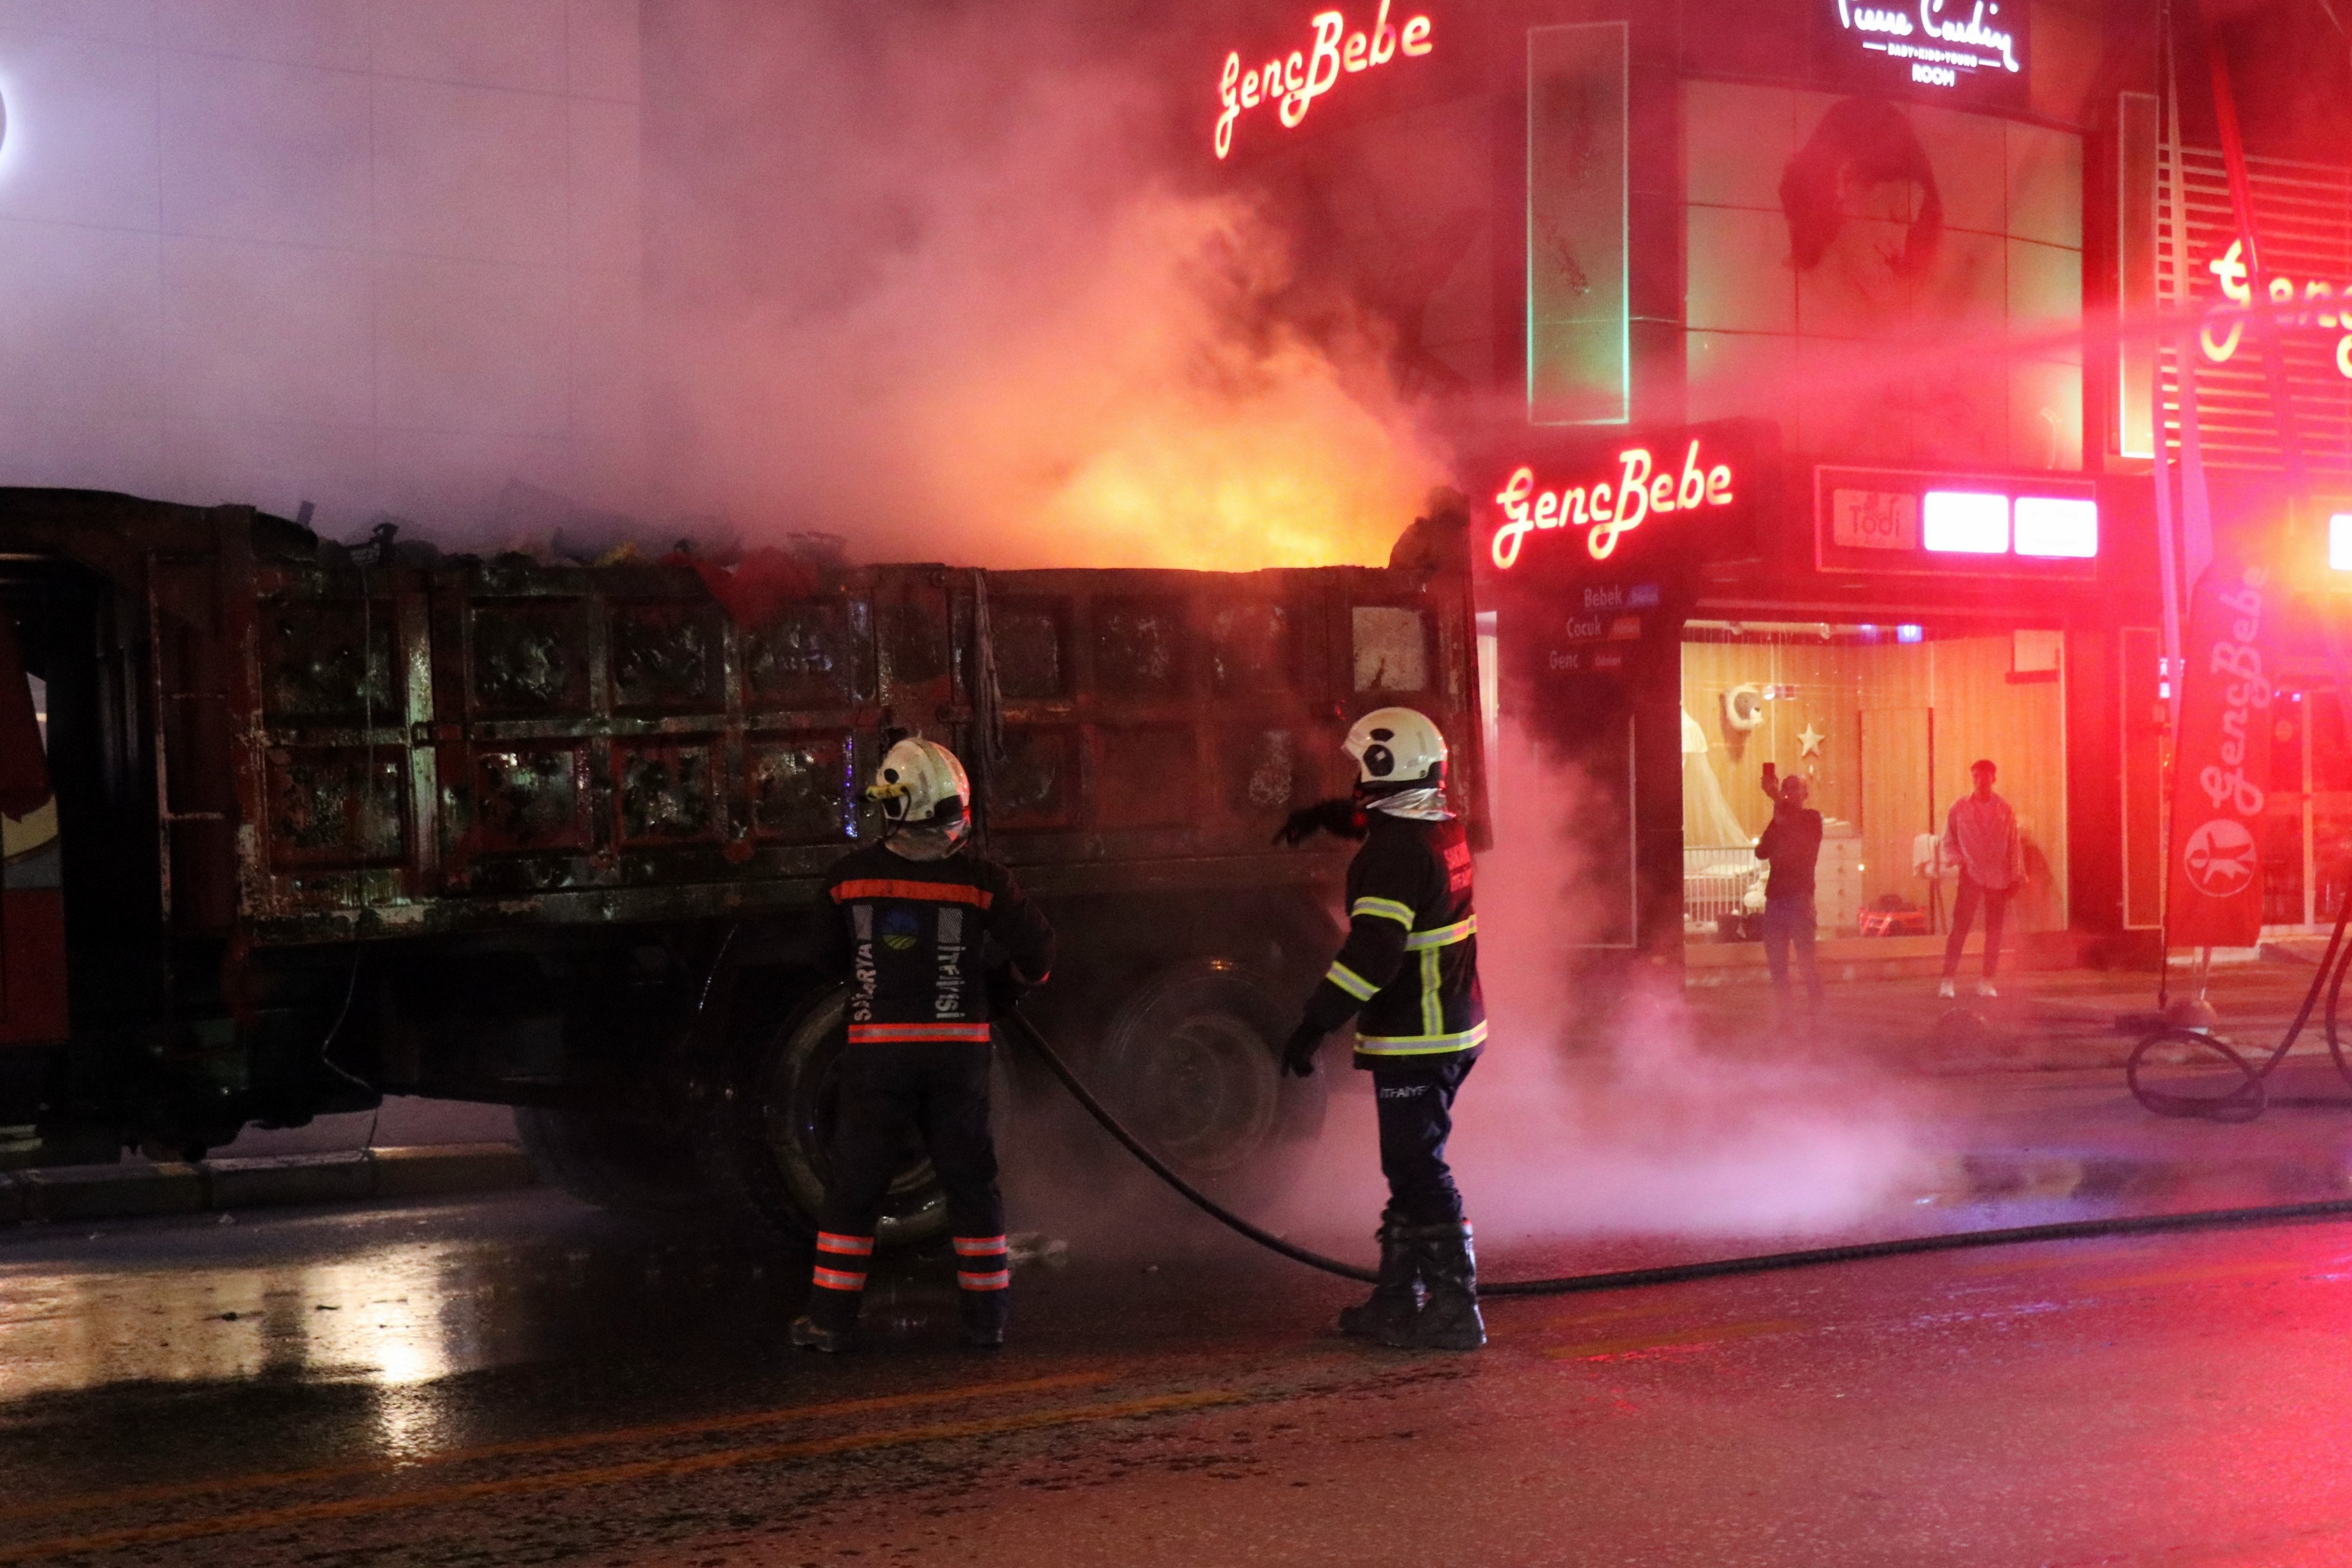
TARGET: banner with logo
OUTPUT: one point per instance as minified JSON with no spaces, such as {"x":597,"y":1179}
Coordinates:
{"x":2222,"y":764}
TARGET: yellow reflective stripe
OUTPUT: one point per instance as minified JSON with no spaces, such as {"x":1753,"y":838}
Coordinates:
{"x":1353,"y":984}
{"x":1433,"y":1012}
{"x":1444,"y":936}
{"x":1420,"y":1045}
{"x":1383,"y":909}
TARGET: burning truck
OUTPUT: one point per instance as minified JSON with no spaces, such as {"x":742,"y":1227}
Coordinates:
{"x":337,"y":822}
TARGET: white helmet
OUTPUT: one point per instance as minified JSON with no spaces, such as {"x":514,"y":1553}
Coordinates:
{"x":1396,"y":748}
{"x":921,"y":785}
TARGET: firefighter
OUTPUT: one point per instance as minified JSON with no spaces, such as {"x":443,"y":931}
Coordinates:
{"x":1408,"y":973}
{"x":933,"y":937}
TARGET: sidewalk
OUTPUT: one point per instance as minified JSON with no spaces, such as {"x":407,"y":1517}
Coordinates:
{"x":79,"y":1193}
{"x":2028,"y":1093}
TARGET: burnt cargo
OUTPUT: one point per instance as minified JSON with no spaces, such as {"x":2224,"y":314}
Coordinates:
{"x":337,"y":822}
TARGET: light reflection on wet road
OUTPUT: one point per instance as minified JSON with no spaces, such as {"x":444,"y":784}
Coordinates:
{"x":516,"y":1380}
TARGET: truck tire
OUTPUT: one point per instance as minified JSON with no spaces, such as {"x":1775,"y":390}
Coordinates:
{"x":776,"y":1125}
{"x":614,"y":1163}
{"x":1191,"y":1064}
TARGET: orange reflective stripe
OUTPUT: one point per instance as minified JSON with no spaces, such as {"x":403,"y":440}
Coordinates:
{"x":923,"y":892}
{"x":978,"y":1245}
{"x":826,"y":1241}
{"x":890,"y":1033}
{"x":837,"y":1279}
{"x":1000,"y":1280}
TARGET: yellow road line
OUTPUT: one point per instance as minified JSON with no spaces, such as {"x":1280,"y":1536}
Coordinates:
{"x":1682,"y":1339}
{"x":261,"y":1480}
{"x":1580,"y":1319}
{"x":2280,"y":1269}
{"x":605,"y":1475}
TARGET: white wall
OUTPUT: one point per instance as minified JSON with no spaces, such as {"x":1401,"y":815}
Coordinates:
{"x":384,"y":255}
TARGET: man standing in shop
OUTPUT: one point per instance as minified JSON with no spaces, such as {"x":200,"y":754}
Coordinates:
{"x":1980,"y":837}
{"x":1792,"y":846}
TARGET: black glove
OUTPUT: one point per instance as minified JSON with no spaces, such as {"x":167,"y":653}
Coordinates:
{"x":1005,"y":990}
{"x":1298,"y":1051}
{"x":1341,"y":818}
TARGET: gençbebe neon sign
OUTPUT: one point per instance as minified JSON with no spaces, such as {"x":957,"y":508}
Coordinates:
{"x":2319,"y":309}
{"x":1608,"y":509}
{"x":1293,"y":83}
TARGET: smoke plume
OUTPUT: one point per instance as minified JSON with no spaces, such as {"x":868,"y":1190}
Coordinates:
{"x":934,"y":277}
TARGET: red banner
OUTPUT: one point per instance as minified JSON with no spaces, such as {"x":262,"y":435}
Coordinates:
{"x":2221,"y":765}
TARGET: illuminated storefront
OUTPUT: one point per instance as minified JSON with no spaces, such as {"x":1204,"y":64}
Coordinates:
{"x":1782,"y":308}
{"x":1772,"y":337}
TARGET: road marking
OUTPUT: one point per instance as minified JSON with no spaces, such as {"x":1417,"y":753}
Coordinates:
{"x":2272,"y":1268}
{"x":654,"y":1434}
{"x":1653,"y":1310}
{"x":608,"y":1475}
{"x":1682,"y":1339}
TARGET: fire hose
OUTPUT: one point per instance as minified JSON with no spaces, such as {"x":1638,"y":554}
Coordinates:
{"x":2250,"y":1095}
{"x":1764,"y":1263}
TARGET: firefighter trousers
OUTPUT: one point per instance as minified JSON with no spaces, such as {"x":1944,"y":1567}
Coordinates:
{"x":891,"y":1096}
{"x":1416,"y":1118}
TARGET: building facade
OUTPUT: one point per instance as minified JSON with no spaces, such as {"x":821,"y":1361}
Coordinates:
{"x":1781,"y":346}
{"x":383,"y":255}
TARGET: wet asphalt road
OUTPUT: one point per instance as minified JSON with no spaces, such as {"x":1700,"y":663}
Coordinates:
{"x":521,"y":1380}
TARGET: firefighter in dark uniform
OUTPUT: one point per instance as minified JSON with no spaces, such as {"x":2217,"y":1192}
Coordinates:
{"x":1408,"y":974}
{"x":932,"y":937}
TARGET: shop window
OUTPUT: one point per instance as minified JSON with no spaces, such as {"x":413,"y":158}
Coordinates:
{"x":1579,"y":299}
{"x":1824,"y":231}
{"x":1882,"y":721}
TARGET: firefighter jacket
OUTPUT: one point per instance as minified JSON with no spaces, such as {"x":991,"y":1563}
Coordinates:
{"x":916,"y":940}
{"x":1411,"y":960}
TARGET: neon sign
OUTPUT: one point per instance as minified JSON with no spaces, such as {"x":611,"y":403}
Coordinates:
{"x":1939,"y":49}
{"x":2318,"y":312}
{"x":1608,"y":509}
{"x":1293,"y":83}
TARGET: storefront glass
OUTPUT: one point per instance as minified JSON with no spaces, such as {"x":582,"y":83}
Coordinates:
{"x":1883,"y":722}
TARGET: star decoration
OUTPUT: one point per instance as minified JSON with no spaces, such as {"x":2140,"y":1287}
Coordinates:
{"x":1809,"y":741}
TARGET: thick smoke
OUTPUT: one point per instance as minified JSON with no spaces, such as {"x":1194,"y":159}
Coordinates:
{"x":932,"y":277}
{"x":1603,"y":1107}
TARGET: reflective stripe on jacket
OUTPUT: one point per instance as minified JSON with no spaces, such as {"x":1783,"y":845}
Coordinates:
{"x":912,"y":939}
{"x":1408,"y":972}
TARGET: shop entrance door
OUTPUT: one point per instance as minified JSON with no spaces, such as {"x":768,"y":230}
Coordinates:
{"x":1898,"y":803}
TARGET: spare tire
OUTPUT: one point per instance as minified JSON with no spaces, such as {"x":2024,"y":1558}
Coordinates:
{"x":1191,"y":1064}
{"x":776,"y":1126}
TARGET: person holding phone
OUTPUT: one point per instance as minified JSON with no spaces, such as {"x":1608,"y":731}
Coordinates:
{"x":1792,"y":847}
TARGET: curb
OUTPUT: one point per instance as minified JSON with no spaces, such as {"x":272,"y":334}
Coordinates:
{"x":2115,"y":1175}
{"x":127,"y":1192}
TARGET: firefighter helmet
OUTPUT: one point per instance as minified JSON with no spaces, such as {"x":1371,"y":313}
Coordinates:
{"x":1394,"y":748}
{"x":921,"y":785}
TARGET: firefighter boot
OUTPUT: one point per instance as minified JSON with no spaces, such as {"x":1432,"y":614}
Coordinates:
{"x":983,"y":1313}
{"x":830,"y":1324}
{"x":1396,"y":1294}
{"x":1450,"y":1319}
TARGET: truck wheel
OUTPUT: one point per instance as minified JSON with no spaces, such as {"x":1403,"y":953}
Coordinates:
{"x":779,"y":1126}
{"x":599,"y":1158}
{"x":1192,"y":1065}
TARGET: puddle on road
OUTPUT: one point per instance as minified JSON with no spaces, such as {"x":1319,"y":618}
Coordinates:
{"x":395,"y":1313}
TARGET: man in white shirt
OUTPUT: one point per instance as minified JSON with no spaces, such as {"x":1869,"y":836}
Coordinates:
{"x":1980,"y":838}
